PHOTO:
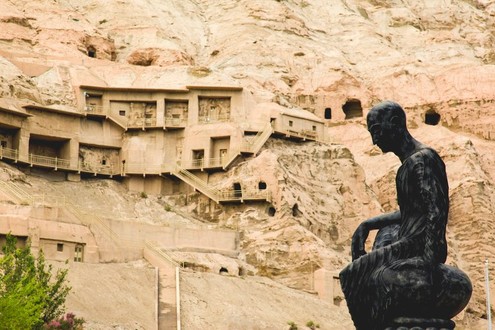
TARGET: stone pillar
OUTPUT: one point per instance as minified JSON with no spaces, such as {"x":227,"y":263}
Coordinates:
{"x":22,"y":144}
{"x":160,"y":112}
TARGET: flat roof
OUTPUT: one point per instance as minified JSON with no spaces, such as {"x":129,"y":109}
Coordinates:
{"x":15,"y":112}
{"x":45,"y":108}
{"x":170,"y":90}
{"x":133,"y":89}
{"x":303,"y":114}
{"x":216,"y":88}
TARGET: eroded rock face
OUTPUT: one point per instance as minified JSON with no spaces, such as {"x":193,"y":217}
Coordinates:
{"x":430,"y":56}
{"x":318,"y":198}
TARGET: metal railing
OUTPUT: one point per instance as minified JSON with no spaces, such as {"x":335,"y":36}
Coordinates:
{"x":214,"y":118}
{"x":304,"y":133}
{"x":197,"y":183}
{"x":160,"y":252}
{"x":244,"y":194}
{"x":175,"y":122}
{"x":216,"y":195}
{"x":97,"y":168}
{"x":142,"y":123}
{"x":94,"y":109}
{"x":254,"y":145}
{"x":54,"y":162}
{"x":142,"y":168}
{"x":9,"y":153}
{"x":195,"y":164}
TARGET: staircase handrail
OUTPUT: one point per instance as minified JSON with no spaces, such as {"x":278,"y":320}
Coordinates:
{"x":196,"y":182}
{"x":158,"y":251}
{"x":260,"y":139}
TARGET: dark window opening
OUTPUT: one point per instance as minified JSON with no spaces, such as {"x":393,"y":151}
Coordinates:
{"x":237,"y":189}
{"x":91,"y":52}
{"x":223,"y":270}
{"x":352,"y":109}
{"x":271,"y":211}
{"x":122,"y":112}
{"x":314,"y":128}
{"x":3,"y":144}
{"x":103,"y":162}
{"x":328,"y":113}
{"x":262,"y":185}
{"x":60,"y":247}
{"x":432,"y":118}
{"x":291,"y":123}
{"x":242,"y":271}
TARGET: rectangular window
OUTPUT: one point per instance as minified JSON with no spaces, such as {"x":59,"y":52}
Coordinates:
{"x":122,"y":112}
{"x":314,"y":128}
{"x":60,"y":247}
{"x":291,"y":123}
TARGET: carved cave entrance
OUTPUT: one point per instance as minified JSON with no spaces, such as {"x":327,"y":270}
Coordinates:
{"x":352,"y":109}
{"x":432,"y":117}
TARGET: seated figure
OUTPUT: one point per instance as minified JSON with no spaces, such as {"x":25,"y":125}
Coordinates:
{"x":403,"y":282}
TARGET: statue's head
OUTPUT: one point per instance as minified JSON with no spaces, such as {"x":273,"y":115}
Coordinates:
{"x":387,"y":125}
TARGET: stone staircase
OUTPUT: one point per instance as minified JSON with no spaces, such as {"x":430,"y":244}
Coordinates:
{"x":168,"y":292}
{"x":220,"y":196}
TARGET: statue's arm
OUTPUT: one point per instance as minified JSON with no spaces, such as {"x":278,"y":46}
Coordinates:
{"x":363,"y":230}
{"x":436,"y":209}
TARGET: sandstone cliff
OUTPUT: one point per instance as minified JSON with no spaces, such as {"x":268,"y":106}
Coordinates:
{"x":432,"y":56}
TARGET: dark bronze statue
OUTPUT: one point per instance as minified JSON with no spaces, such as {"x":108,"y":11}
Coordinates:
{"x":403,"y":282}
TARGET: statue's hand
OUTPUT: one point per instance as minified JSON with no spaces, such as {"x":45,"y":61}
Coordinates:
{"x":358,"y":240}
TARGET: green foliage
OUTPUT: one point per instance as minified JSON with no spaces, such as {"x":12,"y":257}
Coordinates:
{"x":144,"y":194}
{"x":167,"y":207}
{"x":29,"y":297}
{"x":292,"y":325}
{"x":312,"y":325}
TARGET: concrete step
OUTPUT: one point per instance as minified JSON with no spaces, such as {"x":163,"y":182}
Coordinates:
{"x":167,"y":308}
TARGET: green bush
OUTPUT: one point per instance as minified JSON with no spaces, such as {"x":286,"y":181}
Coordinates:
{"x":292,"y":325}
{"x":29,"y":296}
{"x":312,"y":325}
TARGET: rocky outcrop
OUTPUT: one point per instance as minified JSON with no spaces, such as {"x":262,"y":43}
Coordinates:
{"x":434,"y":57}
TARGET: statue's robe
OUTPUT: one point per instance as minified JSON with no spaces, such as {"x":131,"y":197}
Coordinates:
{"x":399,"y":267}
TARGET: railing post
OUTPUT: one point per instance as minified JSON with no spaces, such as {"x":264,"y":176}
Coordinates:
{"x":177,"y":298}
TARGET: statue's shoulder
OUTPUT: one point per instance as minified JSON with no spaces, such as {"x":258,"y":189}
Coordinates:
{"x":424,"y":154}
